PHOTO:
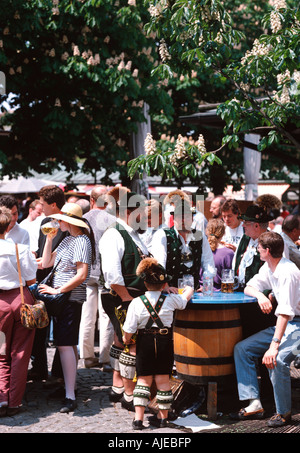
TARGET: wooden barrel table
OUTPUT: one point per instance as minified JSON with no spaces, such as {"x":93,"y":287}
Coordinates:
{"x":205,"y":334}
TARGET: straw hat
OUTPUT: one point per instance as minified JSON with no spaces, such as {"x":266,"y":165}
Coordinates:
{"x":71,"y":213}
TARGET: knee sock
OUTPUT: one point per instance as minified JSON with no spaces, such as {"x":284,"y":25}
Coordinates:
{"x":128,"y":398}
{"x":127,"y":365}
{"x":118,"y":390}
{"x":114,"y":354}
{"x":141,"y":395}
{"x":164,"y":399}
{"x":69,"y":366}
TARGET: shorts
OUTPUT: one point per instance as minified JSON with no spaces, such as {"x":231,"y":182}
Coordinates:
{"x":66,"y":327}
{"x":154,"y":354}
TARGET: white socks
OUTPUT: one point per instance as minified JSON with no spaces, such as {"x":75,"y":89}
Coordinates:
{"x":69,"y":365}
{"x":255,"y":405}
{"x":118,"y":390}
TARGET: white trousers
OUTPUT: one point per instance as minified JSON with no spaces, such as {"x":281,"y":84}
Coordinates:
{"x":88,"y":322}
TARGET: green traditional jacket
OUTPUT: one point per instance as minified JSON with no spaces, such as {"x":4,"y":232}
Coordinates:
{"x":130,"y":261}
{"x":175,"y":265}
{"x":256,"y":263}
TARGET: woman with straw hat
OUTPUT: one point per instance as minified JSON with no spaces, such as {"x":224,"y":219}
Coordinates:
{"x":73,"y":258}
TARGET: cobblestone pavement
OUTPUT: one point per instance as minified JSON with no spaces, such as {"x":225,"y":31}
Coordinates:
{"x":94,"y":414}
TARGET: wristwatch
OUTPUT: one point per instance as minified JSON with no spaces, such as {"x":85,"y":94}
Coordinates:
{"x":276,"y":340}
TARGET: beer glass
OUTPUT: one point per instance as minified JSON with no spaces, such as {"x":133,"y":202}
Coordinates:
{"x":49,"y":227}
{"x":181,"y":285}
{"x":228,"y":281}
{"x":189,"y":280}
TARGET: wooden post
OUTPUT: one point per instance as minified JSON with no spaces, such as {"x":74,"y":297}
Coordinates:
{"x":212,"y":400}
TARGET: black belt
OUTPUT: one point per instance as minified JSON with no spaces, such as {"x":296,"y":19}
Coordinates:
{"x":155,"y":330}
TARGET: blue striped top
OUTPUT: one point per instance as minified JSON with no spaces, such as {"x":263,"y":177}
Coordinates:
{"x":71,"y":250}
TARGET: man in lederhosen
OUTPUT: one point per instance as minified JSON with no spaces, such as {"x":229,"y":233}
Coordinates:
{"x":180,"y":249}
{"x":121,"y":251}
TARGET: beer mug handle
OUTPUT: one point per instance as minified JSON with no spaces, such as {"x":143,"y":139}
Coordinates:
{"x":236,"y":282}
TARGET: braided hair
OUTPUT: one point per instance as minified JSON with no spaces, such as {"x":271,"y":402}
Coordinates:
{"x":215,"y":230}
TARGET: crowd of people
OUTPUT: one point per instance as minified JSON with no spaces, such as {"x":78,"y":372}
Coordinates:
{"x":119,"y":257}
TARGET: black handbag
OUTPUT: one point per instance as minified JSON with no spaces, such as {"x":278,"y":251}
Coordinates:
{"x":54,"y":302}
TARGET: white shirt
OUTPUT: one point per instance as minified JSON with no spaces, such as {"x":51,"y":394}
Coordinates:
{"x":159,"y":250}
{"x":199,"y":222}
{"x":33,"y":229}
{"x":233,"y":235}
{"x":147,"y":237}
{"x":248,"y":256}
{"x":293,"y":251}
{"x":285,"y":284}
{"x":138,"y":315}
{"x":112,"y":248}
{"x":9,"y":277}
{"x":18,"y":235}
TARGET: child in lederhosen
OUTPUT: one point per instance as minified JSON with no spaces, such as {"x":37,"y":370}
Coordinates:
{"x":151,"y":316}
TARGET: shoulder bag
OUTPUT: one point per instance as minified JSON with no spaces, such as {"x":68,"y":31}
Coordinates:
{"x":32,"y":316}
{"x":54,"y":302}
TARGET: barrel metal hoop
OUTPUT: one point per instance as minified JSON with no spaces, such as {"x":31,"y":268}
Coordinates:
{"x":211,"y":307}
{"x":201,"y":325}
{"x":203,"y":361}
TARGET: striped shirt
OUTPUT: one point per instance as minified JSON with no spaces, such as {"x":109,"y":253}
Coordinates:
{"x":70,"y":251}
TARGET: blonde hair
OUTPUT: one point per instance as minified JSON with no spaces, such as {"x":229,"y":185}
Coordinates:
{"x":215,"y":231}
{"x":5,"y":218}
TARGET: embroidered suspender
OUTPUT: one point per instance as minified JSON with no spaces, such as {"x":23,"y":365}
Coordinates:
{"x":154,"y":311}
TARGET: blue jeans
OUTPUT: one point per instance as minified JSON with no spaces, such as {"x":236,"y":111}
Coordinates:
{"x":249,"y":350}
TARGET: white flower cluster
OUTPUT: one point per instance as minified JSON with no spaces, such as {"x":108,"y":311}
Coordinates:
{"x":55,"y":9}
{"x":149,"y":145}
{"x":208,"y":15}
{"x":258,"y":50}
{"x":92,"y":60}
{"x":296,"y":76}
{"x":245,"y":86}
{"x":284,"y":78}
{"x":278,"y":4}
{"x":180,"y":151}
{"x":275,"y":22}
{"x":284,"y":98}
{"x":201,"y":144}
{"x":163,"y":51}
{"x":156,"y":10}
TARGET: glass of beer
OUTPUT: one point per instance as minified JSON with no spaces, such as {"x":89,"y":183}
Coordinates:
{"x":50,"y":227}
{"x":227,"y":281}
{"x":181,"y":285}
{"x":189,"y":280}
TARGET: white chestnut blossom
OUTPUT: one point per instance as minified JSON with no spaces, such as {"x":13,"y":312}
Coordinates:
{"x":278,"y":4}
{"x":275,"y":22}
{"x":180,"y":151}
{"x":201,"y":144}
{"x":258,"y":50}
{"x":149,"y":145}
{"x":163,"y":51}
{"x":284,"y":78}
